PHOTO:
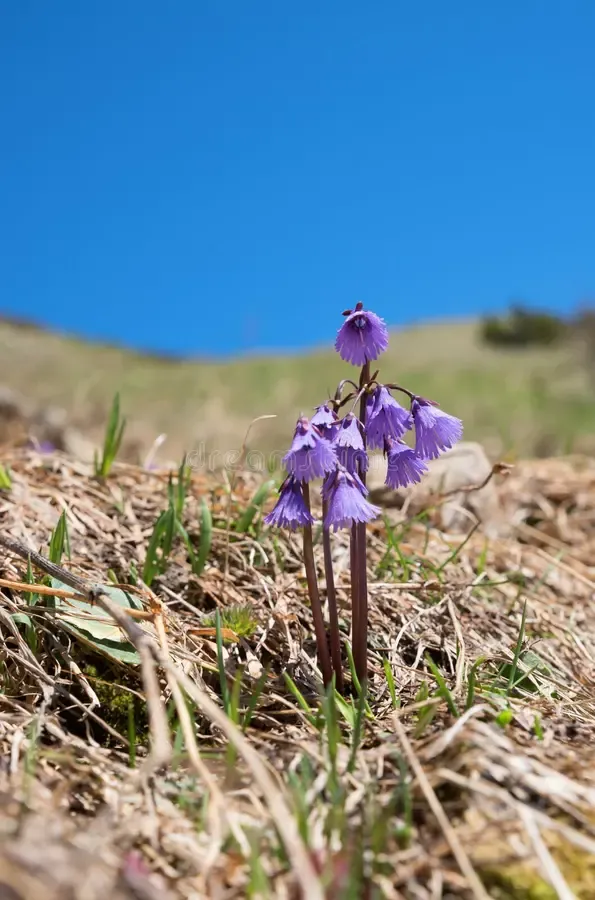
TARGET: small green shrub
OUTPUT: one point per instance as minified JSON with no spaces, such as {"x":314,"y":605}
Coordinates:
{"x":522,"y":327}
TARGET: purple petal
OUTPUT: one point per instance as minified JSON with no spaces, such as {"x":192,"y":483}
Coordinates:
{"x":404,"y":466}
{"x":386,"y":419}
{"x":346,"y":503}
{"x":290,"y":511}
{"x":324,"y":415}
{"x":349,"y":446}
{"x":362,"y":337}
{"x":309,"y":456}
{"x":435,"y":430}
{"x":326,"y":421}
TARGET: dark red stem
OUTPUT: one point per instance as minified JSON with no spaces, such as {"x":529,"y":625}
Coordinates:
{"x":360,"y":621}
{"x":333,"y":615}
{"x":315,"y":605}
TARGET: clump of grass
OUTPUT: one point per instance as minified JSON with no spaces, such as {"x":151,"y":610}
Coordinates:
{"x":169,"y":525}
{"x":238,"y":618}
{"x":112,"y":441}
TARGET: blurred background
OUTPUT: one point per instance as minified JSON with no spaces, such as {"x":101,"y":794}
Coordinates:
{"x":192,"y":193}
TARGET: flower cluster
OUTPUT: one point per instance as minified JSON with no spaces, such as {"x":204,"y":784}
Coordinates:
{"x":333,"y":445}
{"x":334,"y":448}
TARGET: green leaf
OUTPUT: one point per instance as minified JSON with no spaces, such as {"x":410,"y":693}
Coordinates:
{"x":206,"y":538}
{"x":160,"y":545}
{"x":182,"y":487}
{"x":5,"y":479}
{"x":94,"y":626}
{"x":112,"y":441}
{"x":390,"y":680}
{"x":60,"y":540}
{"x":443,"y":689}
{"x":186,"y":538}
{"x":347,"y":710}
{"x":504,"y":718}
{"x":257,"y":502}
{"x":301,"y":700}
{"x":517,"y":650}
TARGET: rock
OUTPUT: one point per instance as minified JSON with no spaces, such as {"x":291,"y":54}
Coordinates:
{"x":14,"y":412}
{"x":466,"y":465}
{"x":49,"y":426}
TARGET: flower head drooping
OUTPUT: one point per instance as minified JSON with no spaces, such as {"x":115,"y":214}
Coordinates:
{"x":349,"y":445}
{"x":326,"y":420}
{"x":346,"y":503}
{"x":290,"y":511}
{"x":385,"y":418}
{"x":362,"y":337}
{"x":435,"y":430}
{"x":309,"y":456}
{"x":404,"y":465}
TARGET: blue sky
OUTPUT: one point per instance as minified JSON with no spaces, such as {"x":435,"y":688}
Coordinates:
{"x":214,"y":176}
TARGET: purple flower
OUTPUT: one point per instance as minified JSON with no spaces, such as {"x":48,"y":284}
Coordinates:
{"x":385,"y":418}
{"x":362,"y":337}
{"x":45,"y":447}
{"x":309,"y":456}
{"x":346,"y":503}
{"x":435,"y":430}
{"x":325,"y":419}
{"x":290,"y":511}
{"x":404,"y":465}
{"x":349,"y":445}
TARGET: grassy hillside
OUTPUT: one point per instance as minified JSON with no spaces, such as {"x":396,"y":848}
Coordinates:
{"x":517,"y":401}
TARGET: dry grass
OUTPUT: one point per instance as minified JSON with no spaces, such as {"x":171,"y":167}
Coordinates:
{"x":479,"y":786}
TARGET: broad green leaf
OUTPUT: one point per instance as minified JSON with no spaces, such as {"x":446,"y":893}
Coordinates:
{"x":94,"y":626}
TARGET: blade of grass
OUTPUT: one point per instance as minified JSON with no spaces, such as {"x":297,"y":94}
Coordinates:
{"x":5,"y":479}
{"x":357,"y":730}
{"x":59,"y":541}
{"x":114,"y":433}
{"x":472,"y":682}
{"x":457,"y":550}
{"x":206,"y":538}
{"x":390,"y":680}
{"x":221,"y":666}
{"x":257,"y":502}
{"x":254,"y":698}
{"x":517,"y":651}
{"x":299,"y":697}
{"x":443,"y":689}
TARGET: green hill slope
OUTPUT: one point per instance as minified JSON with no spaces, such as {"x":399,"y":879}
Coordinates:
{"x":517,"y":401}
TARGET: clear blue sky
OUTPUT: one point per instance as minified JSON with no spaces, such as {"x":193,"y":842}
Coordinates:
{"x":211,"y":176}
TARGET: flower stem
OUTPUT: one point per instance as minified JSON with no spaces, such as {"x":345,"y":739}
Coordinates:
{"x":397,"y":387}
{"x":332,"y":608}
{"x":315,"y":605}
{"x":360,"y":621}
{"x":355,"y":605}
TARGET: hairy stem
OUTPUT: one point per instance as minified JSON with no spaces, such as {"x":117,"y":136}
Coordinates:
{"x":333,"y":615}
{"x":360,"y":633}
{"x":404,"y":390}
{"x":315,"y":605}
{"x":355,"y":604}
